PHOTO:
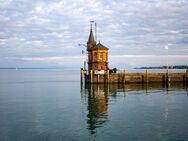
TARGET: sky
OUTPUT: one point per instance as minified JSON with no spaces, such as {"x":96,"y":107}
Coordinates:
{"x":46,"y":33}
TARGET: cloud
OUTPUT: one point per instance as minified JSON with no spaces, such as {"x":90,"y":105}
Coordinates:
{"x":47,"y":28}
{"x":5,"y":2}
{"x":131,"y":61}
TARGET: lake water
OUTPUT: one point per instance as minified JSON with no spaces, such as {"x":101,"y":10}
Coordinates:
{"x":50,"y":105}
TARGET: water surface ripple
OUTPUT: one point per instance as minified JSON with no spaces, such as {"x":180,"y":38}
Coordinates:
{"x":52,"y":106}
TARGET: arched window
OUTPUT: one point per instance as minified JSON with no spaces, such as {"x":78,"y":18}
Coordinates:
{"x":101,"y":56}
{"x":95,"y":56}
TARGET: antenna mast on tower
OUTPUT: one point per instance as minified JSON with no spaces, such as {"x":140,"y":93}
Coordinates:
{"x":96,"y":31}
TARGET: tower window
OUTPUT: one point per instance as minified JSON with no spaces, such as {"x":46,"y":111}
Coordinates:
{"x":101,"y":56}
{"x":95,"y":55}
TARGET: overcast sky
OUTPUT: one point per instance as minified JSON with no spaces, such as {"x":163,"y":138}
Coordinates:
{"x":46,"y":33}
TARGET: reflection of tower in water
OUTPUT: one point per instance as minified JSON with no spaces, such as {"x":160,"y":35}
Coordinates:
{"x":97,"y":98}
{"x":97,"y":107}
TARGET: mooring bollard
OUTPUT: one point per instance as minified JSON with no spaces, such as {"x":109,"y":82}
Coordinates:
{"x":91,"y":76}
{"x":81,"y":75}
{"x":124,"y":76}
{"x":167,"y":76}
{"x":146,"y":76}
{"x":186,"y":76}
{"x":107,"y":76}
{"x":97,"y":78}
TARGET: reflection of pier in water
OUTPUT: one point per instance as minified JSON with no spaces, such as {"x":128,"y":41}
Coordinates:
{"x":97,"y":97}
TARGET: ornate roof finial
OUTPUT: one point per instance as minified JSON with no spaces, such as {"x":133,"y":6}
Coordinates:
{"x":91,"y":24}
{"x":91,"y":37}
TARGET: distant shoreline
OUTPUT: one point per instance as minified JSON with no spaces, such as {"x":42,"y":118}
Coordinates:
{"x":164,"y":67}
{"x":35,"y":68}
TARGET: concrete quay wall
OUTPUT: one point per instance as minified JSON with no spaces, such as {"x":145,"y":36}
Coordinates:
{"x":130,"y":77}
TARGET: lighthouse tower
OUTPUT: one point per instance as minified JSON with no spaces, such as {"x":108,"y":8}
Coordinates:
{"x":97,"y":54}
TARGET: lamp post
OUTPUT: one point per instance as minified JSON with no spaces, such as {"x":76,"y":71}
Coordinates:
{"x":167,"y":77}
{"x":83,"y":53}
{"x":166,"y":47}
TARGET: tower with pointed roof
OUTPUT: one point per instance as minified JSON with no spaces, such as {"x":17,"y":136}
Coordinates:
{"x":97,"y":54}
